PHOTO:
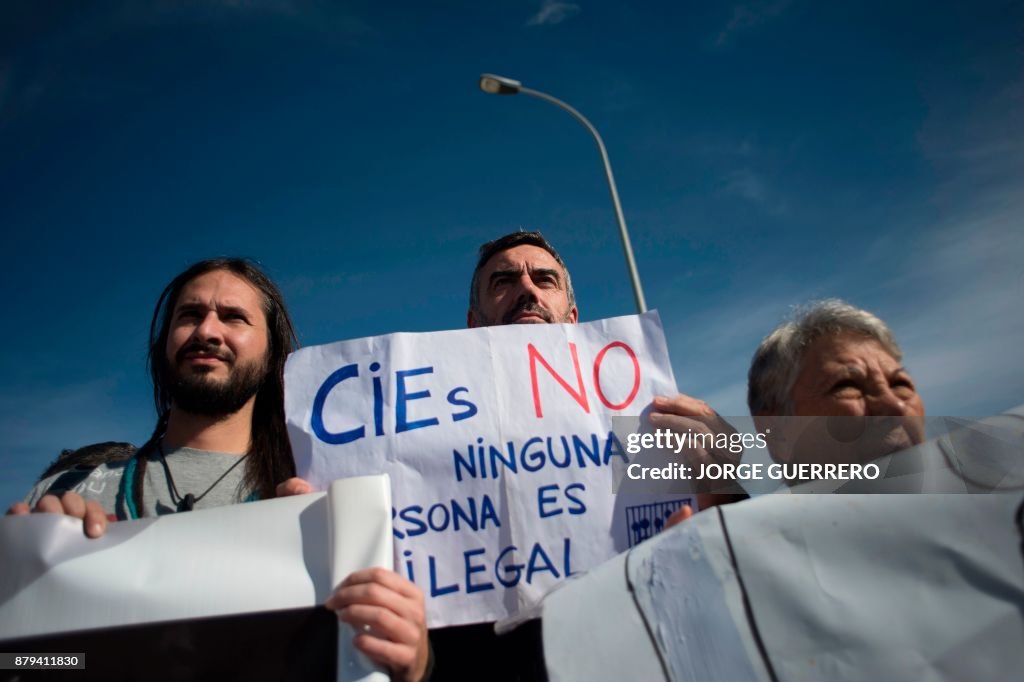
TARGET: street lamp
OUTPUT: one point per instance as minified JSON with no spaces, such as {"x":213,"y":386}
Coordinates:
{"x":499,"y":85}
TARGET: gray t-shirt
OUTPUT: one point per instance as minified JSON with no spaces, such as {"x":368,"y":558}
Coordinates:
{"x":193,"y":472}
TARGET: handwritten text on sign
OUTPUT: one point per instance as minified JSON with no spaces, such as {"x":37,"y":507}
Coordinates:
{"x":498,"y":442}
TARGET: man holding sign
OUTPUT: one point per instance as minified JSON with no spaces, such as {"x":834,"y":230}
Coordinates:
{"x":219,"y":338}
{"x":521,"y":279}
{"x":499,"y":443}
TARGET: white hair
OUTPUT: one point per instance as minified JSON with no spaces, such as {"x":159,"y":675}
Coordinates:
{"x":777,"y":361}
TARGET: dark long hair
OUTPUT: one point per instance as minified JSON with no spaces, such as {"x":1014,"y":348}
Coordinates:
{"x":270,"y":454}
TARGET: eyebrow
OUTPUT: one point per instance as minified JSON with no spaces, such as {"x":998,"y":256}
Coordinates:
{"x":547,"y":271}
{"x":844,"y":371}
{"x":189,"y":307}
{"x":516,"y":272}
{"x":234,"y":309}
{"x":498,"y":274}
{"x":855,"y":371}
{"x":195,"y":306}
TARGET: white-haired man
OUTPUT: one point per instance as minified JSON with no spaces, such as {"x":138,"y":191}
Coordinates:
{"x":831,"y":386}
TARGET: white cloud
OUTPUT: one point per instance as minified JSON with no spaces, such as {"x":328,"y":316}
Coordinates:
{"x":964,"y":336}
{"x":953,"y":297}
{"x":750,"y":185}
{"x":711,"y":350}
{"x":747,"y":16}
{"x":553,"y":12}
{"x":951,"y":291}
{"x":963,"y":330}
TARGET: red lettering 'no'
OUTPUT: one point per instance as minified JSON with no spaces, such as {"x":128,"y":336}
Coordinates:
{"x":579,"y":394}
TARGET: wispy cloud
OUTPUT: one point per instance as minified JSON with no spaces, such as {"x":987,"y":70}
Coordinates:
{"x":964,"y":342}
{"x":951,"y":290}
{"x":750,"y":185}
{"x":553,"y":12}
{"x":749,"y":15}
{"x":712,"y":350}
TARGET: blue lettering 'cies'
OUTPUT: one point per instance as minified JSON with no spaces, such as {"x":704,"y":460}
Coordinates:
{"x":475,"y":568}
{"x":579,"y":507}
{"x":404,"y":397}
{"x":378,"y":401}
{"x":436,"y":591}
{"x":470,"y":407}
{"x":543,"y":499}
{"x":317,"y":420}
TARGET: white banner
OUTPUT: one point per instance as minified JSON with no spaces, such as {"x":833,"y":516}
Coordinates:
{"x":276,"y":554}
{"x":498,"y":443}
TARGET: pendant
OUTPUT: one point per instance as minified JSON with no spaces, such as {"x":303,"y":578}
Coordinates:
{"x":187,"y":503}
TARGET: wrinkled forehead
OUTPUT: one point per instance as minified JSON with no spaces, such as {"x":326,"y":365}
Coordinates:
{"x":524,"y":257}
{"x":847,"y":352}
{"x":221,"y":288}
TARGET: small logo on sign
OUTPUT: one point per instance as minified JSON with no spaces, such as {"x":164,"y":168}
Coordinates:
{"x":645,"y":520}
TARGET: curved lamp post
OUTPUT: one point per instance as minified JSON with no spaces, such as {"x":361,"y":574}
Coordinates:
{"x":499,"y":85}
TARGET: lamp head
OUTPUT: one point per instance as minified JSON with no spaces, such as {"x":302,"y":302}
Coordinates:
{"x":498,"y":85}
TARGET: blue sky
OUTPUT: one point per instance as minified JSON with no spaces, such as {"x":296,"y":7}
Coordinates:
{"x":766,"y":153}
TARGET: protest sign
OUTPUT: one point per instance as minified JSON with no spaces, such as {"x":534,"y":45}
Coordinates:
{"x":499,"y":445}
{"x":258,"y":572}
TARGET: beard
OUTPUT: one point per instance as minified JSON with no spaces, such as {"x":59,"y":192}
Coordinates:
{"x":527,"y":306}
{"x":524,"y":305}
{"x":197,"y":393}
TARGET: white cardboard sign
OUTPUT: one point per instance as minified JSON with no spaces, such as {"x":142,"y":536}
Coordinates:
{"x":284,"y":553}
{"x":498,"y":442}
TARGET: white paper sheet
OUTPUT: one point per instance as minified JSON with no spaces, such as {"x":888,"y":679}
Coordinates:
{"x":263,"y":556}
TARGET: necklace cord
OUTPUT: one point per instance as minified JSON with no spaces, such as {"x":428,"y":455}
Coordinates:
{"x":188,"y":502}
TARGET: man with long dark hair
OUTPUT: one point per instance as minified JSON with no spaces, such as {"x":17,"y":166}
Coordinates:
{"x":218,"y":341}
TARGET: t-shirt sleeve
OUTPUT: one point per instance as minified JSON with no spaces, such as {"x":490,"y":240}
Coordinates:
{"x":39,"y":490}
{"x":99,"y":484}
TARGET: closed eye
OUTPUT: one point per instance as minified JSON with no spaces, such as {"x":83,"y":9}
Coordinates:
{"x":189,"y":313}
{"x":903,"y":386}
{"x":234,"y":315}
{"x":503,"y":278}
{"x":545,"y":278}
{"x":845,"y":388}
